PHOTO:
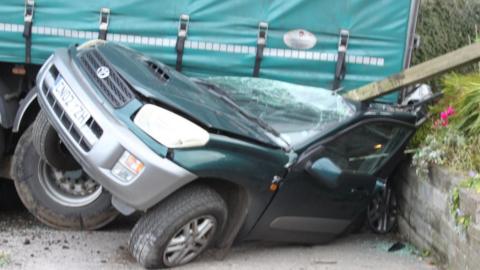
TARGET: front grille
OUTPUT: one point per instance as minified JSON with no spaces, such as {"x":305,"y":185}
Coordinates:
{"x":65,"y":120}
{"x":115,"y":89}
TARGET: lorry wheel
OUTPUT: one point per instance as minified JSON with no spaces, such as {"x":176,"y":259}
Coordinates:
{"x":179,"y":229}
{"x":49,"y":146}
{"x":59,"y":198}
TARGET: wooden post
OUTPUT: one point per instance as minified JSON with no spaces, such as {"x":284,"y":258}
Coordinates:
{"x":424,"y":71}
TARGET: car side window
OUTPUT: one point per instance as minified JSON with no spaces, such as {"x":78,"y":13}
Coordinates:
{"x":365,"y":148}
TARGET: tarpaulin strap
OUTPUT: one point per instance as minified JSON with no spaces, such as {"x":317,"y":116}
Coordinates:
{"x":341,"y":67}
{"x":181,"y":37}
{"x":261,"y":43}
{"x":27,"y":29}
{"x":103,"y":23}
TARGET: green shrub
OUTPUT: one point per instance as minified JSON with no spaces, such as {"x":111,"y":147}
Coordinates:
{"x":445,"y":25}
{"x":421,"y":135}
{"x":458,"y":144}
{"x":463,"y":93}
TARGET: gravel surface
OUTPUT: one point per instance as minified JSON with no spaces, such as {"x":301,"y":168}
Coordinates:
{"x":26,"y":244}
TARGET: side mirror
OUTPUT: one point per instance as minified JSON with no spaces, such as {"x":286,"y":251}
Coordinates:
{"x":326,"y":172}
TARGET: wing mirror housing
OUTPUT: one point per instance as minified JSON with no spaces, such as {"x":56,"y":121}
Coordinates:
{"x":326,"y":172}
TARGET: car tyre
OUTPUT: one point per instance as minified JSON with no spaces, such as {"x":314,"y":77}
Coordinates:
{"x":382,"y":212}
{"x":47,"y":202}
{"x":170,"y":227}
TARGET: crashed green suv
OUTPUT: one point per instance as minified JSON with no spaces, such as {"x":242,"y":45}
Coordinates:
{"x":214,"y":160}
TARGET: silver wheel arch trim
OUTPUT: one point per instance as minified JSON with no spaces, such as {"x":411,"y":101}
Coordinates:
{"x":25,"y":104}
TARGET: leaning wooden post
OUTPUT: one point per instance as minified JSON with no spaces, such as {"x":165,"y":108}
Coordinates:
{"x":424,"y":71}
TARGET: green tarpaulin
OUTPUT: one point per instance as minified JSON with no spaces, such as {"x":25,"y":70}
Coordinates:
{"x":302,"y":37}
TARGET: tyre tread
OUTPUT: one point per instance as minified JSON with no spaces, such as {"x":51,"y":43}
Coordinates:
{"x":150,"y":227}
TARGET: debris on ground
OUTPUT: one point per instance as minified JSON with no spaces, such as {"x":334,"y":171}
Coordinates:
{"x":396,"y":247}
{"x":106,"y":249}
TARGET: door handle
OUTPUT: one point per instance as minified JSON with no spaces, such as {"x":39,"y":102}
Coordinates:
{"x":360,"y":191}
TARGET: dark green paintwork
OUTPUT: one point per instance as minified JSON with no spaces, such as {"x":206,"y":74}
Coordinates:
{"x":248,"y":165}
{"x":180,"y":94}
{"x":240,"y":152}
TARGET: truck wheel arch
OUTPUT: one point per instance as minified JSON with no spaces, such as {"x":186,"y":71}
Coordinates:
{"x":26,"y":113}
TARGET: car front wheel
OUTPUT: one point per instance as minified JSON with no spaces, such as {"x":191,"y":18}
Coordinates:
{"x":179,"y":229}
{"x":60,"y":198}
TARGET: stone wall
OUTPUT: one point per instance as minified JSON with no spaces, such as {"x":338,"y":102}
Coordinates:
{"x":426,"y":222}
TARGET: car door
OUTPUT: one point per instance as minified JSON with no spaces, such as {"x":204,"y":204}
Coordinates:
{"x":331,"y":184}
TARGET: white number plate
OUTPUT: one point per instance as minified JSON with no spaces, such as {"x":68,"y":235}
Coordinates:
{"x":70,"y":103}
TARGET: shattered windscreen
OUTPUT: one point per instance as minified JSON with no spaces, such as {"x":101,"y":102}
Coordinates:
{"x":298,"y":113}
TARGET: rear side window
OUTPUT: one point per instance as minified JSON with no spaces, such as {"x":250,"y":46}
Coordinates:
{"x":366,"y":148}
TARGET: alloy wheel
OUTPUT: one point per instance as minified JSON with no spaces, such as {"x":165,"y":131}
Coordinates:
{"x":189,"y":241}
{"x":382,"y":212}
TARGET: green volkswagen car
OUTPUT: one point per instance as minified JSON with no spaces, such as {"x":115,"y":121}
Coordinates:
{"x":214,"y":160}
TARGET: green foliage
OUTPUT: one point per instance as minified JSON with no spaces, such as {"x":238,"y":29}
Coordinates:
{"x":457,"y":145}
{"x":445,"y":26}
{"x":463,"y":93}
{"x":450,"y":147}
{"x":4,"y":259}
{"x":425,"y":253}
{"x":432,"y":152}
{"x":472,"y":183}
{"x":420,"y":135}
{"x":461,"y":219}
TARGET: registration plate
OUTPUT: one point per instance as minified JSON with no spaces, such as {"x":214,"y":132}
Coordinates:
{"x":70,"y":103}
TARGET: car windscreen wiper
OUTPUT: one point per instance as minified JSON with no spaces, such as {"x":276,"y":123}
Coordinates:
{"x":220,"y":93}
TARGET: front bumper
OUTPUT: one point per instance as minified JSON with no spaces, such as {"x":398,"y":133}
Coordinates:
{"x":160,"y":176}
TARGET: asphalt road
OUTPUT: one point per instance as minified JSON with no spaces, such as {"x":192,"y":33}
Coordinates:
{"x":26,"y":244}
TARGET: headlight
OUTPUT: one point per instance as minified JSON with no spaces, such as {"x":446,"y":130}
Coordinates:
{"x":170,"y":129}
{"x":127,"y":168}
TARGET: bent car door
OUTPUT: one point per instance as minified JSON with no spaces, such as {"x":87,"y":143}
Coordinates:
{"x":331,"y":184}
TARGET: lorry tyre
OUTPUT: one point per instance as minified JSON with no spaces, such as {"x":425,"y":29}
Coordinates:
{"x":60,"y":199}
{"x":179,"y":229}
{"x":49,"y":146}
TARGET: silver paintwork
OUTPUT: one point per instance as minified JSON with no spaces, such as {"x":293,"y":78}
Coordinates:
{"x":188,"y":242}
{"x":27,"y":101}
{"x":410,"y":40}
{"x":422,"y":92}
{"x":412,"y":25}
{"x":24,"y":105}
{"x":160,"y":178}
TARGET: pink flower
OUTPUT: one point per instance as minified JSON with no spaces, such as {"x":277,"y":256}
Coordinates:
{"x":450,"y":111}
